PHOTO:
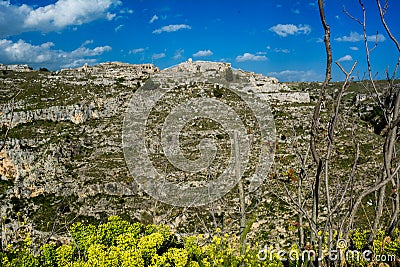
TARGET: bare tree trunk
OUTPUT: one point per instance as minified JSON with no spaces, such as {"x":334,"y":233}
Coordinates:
{"x":3,"y":235}
{"x":241,"y":195}
{"x":315,"y":122}
{"x":300,"y":216}
{"x":389,"y":151}
{"x":392,"y":135}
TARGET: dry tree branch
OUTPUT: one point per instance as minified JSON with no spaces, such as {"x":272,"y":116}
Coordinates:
{"x":367,"y":192}
{"x":328,"y":76}
{"x":352,"y":17}
{"x":332,"y":126}
{"x":382,"y":16}
{"x":363,"y":24}
{"x":310,"y":220}
{"x":316,"y":116}
{"x":331,"y":132}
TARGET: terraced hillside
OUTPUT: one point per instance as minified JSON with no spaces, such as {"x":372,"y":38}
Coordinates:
{"x":63,"y":157}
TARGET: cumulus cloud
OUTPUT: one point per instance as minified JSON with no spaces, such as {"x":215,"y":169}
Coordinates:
{"x":172,"y":28}
{"x":136,"y":50}
{"x":16,"y":19}
{"x":345,"y":58}
{"x":354,"y":48}
{"x":284,"y":30}
{"x":203,"y":53}
{"x":158,"y":56}
{"x":154,"y":18}
{"x":21,"y":52}
{"x":295,"y":75}
{"x":250,"y":57}
{"x":356,"y":37}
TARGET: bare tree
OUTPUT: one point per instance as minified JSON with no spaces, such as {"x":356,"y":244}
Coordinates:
{"x":388,"y":100}
{"x":337,"y":199}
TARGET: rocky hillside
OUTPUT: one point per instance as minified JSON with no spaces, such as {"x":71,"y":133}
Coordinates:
{"x":63,"y":157}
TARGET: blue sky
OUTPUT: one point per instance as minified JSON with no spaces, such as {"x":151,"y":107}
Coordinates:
{"x":276,"y":38}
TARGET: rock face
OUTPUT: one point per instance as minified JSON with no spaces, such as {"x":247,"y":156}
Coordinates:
{"x":17,"y":67}
{"x":63,"y":161}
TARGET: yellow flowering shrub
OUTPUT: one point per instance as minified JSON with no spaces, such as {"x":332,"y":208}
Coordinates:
{"x":64,"y":255}
{"x":119,"y":243}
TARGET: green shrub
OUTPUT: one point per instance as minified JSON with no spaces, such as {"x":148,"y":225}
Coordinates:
{"x":64,"y":255}
{"x":48,"y":255}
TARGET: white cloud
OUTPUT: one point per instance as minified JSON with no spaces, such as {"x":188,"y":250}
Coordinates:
{"x":17,"y":19}
{"x":284,"y":30}
{"x":356,"y":37}
{"x":85,"y":43}
{"x":295,"y":75}
{"x":203,"y":53}
{"x":154,"y":18}
{"x":119,"y":27}
{"x":250,"y":57}
{"x":354,"y":48}
{"x":172,"y":28}
{"x":136,"y":50}
{"x":376,"y":38}
{"x":345,"y":58}
{"x":87,"y":52}
{"x":296,"y":11}
{"x":126,"y":11}
{"x":158,"y":56}
{"x":179,"y":54}
{"x":282,"y":50}
{"x":21,"y":52}
{"x":109,"y":16}
{"x":68,"y":12}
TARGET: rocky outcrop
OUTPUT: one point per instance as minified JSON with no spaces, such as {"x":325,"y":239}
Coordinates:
{"x":221,"y":73}
{"x":16,"y":67}
{"x":76,"y":114}
{"x":7,"y":168}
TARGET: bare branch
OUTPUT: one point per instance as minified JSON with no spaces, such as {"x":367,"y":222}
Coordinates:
{"x":310,"y":220}
{"x":382,"y":16}
{"x":352,"y":17}
{"x":369,"y":191}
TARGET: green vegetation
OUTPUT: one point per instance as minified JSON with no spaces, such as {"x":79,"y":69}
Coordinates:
{"x":121,"y":243}
{"x":4,"y":184}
